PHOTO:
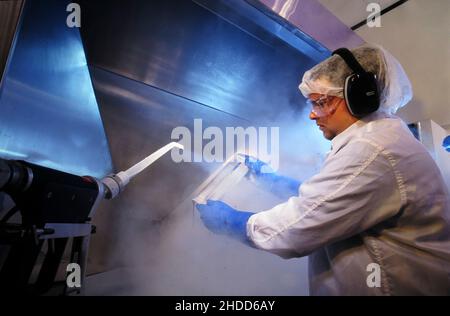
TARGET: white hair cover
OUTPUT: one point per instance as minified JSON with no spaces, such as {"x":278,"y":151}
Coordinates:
{"x":329,"y":76}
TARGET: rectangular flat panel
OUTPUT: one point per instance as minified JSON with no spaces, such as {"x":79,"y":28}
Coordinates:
{"x":48,"y":111}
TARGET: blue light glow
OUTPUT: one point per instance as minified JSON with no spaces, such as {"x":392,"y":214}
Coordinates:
{"x":446,"y":143}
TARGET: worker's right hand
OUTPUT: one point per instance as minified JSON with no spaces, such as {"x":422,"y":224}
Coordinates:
{"x":220,"y":218}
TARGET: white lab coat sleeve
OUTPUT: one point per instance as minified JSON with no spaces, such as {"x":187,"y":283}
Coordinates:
{"x":357,"y":188}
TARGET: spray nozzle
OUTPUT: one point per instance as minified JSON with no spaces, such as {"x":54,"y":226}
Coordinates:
{"x":116,"y":183}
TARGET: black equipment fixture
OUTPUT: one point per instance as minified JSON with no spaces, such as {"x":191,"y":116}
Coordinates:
{"x":54,"y":206}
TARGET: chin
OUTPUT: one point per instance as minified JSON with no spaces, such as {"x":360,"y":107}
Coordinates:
{"x":328,"y":135}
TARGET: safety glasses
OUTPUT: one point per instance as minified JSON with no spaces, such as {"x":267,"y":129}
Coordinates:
{"x":320,"y":106}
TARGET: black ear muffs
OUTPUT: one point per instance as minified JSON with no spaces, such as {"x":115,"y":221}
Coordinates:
{"x":360,"y":88}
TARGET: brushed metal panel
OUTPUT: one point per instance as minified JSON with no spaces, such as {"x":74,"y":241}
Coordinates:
{"x":48,"y":111}
{"x":181,"y":47}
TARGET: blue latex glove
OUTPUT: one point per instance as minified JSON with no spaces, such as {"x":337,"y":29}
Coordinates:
{"x":221,"y":218}
{"x":282,"y":186}
{"x":257,"y":166}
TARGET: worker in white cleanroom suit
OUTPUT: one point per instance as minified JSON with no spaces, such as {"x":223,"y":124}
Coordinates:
{"x":376,"y":219}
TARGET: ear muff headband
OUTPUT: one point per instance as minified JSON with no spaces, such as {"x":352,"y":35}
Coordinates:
{"x":350,"y":60}
{"x":360,"y":89}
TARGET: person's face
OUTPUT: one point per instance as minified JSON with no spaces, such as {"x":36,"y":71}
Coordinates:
{"x":323,"y":112}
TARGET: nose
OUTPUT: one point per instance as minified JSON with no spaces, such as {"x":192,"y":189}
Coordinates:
{"x":313,"y":116}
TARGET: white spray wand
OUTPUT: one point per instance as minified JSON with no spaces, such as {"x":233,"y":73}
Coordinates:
{"x":116,"y":183}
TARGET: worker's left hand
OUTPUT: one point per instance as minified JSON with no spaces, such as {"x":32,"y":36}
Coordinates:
{"x":221,"y":218}
{"x":256,"y":166}
{"x":282,"y":186}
